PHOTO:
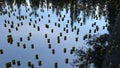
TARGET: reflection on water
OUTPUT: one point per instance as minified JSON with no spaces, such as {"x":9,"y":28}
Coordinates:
{"x":104,"y":52}
{"x":40,"y":33}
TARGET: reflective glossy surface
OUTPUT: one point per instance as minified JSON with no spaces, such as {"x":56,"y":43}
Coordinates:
{"x":46,"y":33}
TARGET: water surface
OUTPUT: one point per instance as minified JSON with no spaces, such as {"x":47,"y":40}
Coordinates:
{"x":64,"y":28}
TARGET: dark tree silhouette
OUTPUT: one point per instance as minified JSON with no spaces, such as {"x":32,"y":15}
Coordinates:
{"x":102,"y":55}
